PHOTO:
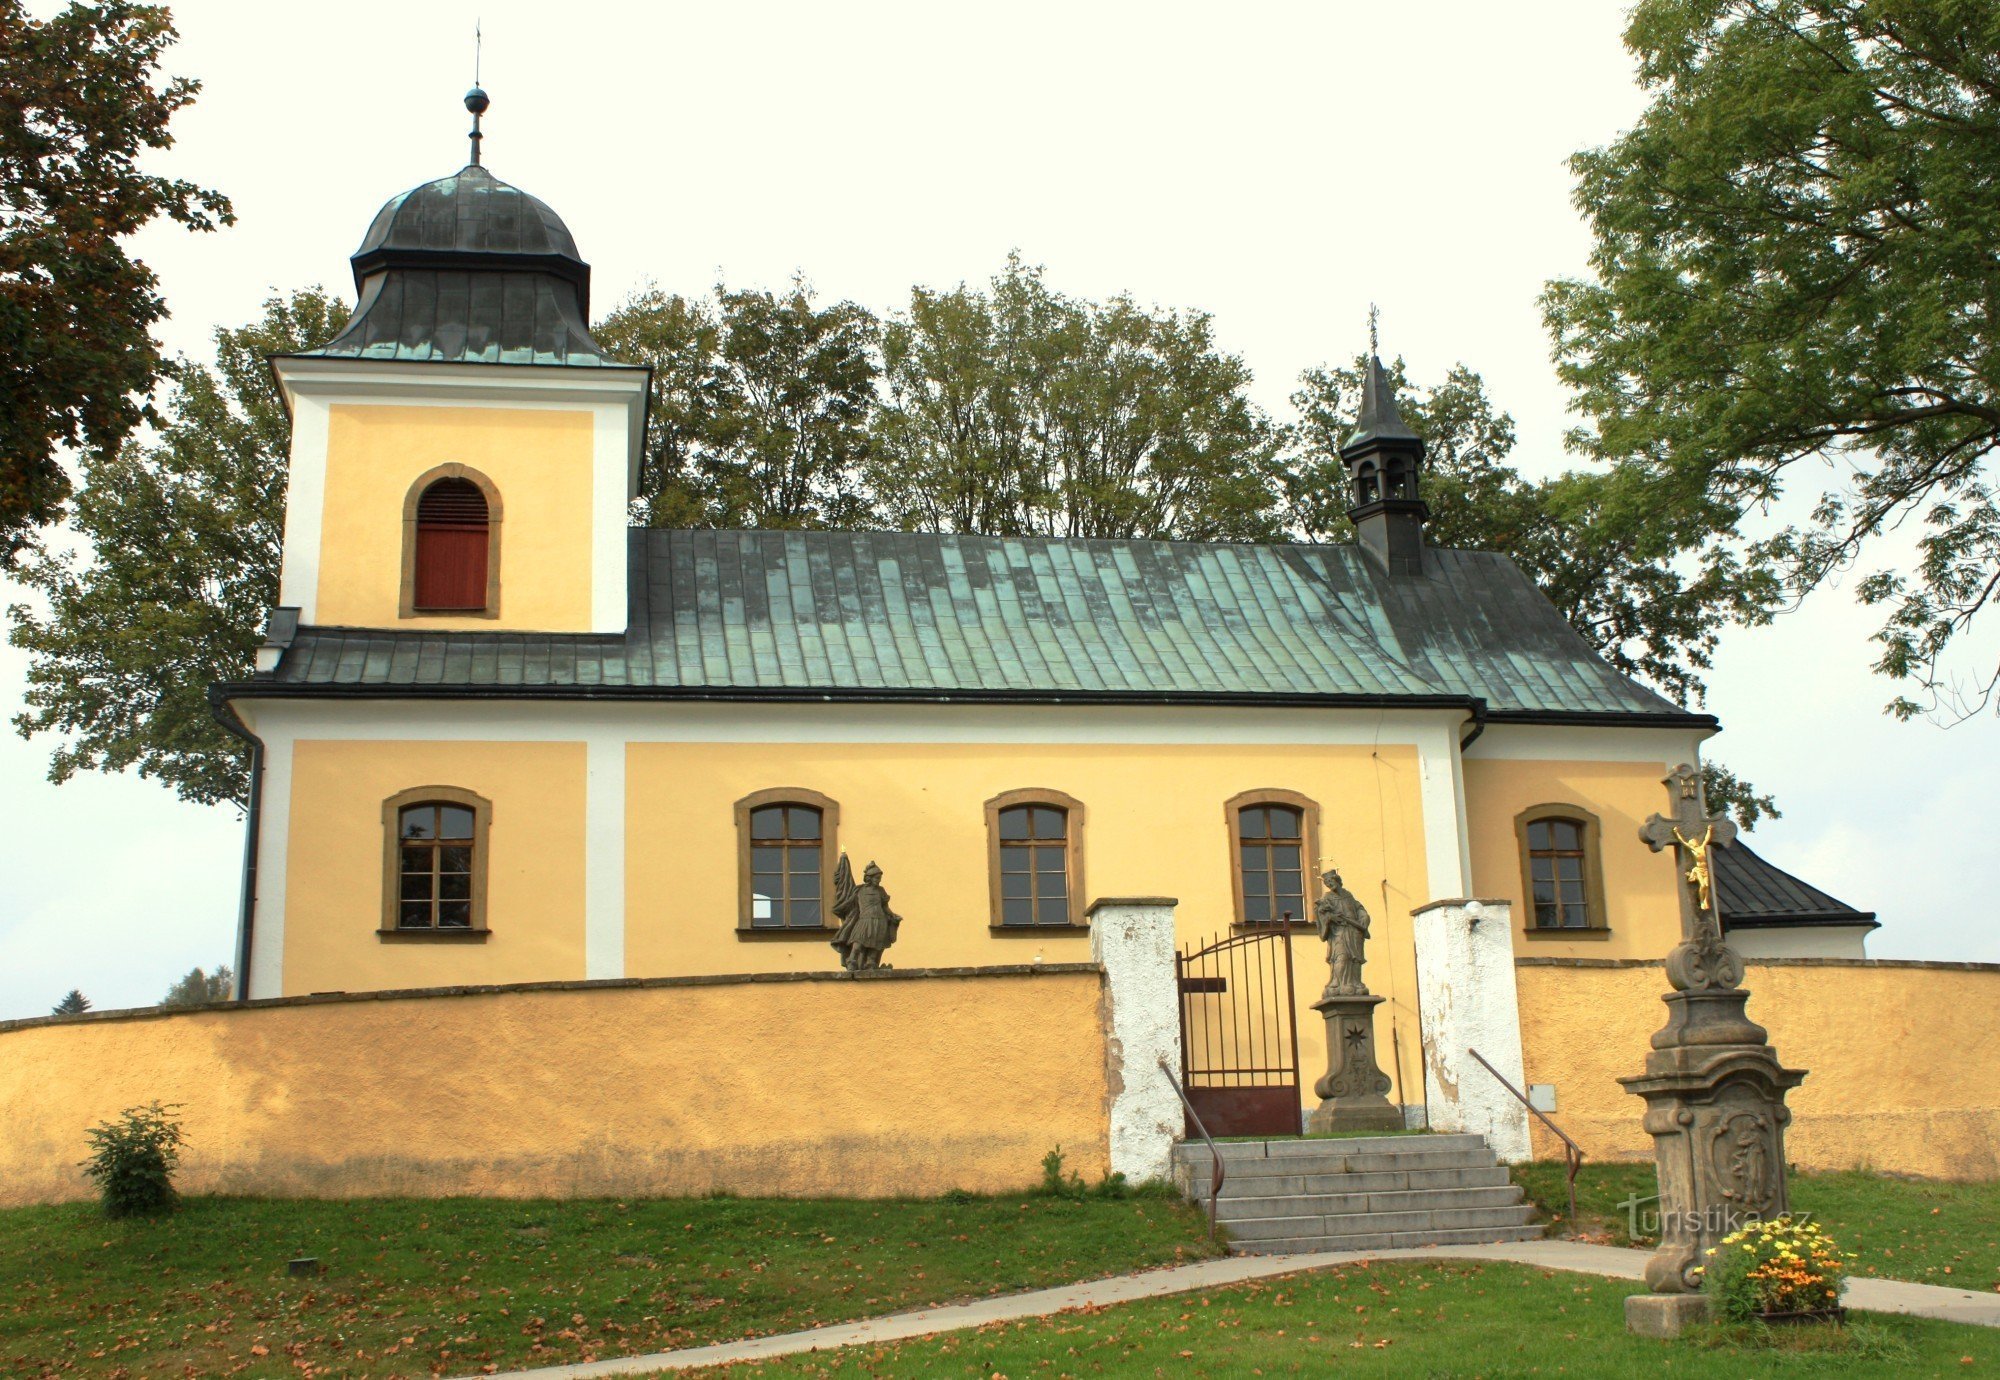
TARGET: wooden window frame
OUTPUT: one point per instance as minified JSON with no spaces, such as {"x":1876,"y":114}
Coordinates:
{"x":407,"y":601}
{"x":829,"y":860}
{"x":1073,"y":822}
{"x":1232,"y":822}
{"x":1593,"y":871}
{"x":392,"y":864}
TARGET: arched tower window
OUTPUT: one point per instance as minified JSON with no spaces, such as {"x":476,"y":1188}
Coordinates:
{"x":451,"y":545}
{"x":1367,"y":483}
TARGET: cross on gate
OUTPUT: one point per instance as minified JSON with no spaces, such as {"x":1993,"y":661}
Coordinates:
{"x":1693,"y":833}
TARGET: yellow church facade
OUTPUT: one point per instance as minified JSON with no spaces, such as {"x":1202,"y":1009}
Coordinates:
{"x":556,"y":807}
{"x":502,"y":737}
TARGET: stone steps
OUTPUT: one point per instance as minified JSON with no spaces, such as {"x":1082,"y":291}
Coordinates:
{"x":1365,"y":1193}
{"x":1236,"y":1185}
{"x":1385,"y":1241}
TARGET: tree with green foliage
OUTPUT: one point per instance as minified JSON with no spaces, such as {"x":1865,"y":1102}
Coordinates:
{"x":78,"y":362}
{"x":74,"y":1004}
{"x":1794,"y":282}
{"x":1017,"y":409}
{"x":762,"y":406}
{"x":1626,"y":587}
{"x":184,"y":537}
{"x":199,"y":988}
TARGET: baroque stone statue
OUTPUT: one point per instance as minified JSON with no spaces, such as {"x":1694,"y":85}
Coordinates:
{"x":1342,"y":922}
{"x":1352,"y":1091}
{"x":867,"y":925}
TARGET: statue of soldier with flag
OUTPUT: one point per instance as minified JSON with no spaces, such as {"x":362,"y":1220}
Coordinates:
{"x":867,"y":925}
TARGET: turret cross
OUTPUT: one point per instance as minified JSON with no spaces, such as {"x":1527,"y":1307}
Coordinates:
{"x":1693,"y":834}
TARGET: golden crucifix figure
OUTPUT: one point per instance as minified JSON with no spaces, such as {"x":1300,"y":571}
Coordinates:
{"x":1699,"y":871}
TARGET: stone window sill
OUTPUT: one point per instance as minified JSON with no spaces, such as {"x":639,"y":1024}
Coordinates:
{"x":432,"y":936}
{"x":1271,"y":927}
{"x":1594,"y":932}
{"x":786,"y":932}
{"x":1032,"y":931}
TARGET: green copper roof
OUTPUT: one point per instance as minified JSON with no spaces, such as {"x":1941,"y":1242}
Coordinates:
{"x":805,"y":614}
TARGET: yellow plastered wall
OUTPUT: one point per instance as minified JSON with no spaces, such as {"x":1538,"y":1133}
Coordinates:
{"x":1638,"y":883}
{"x":1900,"y":1076}
{"x":335,"y":861}
{"x":1154,"y":826}
{"x":539,"y":460}
{"x":945,"y":1083}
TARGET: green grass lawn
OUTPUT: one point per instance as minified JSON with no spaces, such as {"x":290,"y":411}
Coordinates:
{"x":453,"y":1285}
{"x":1406,"y":1318}
{"x":1927,"y":1230}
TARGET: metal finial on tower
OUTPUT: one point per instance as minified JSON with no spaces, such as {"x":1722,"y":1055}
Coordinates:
{"x":476,"y":99}
{"x":1374,"y":343}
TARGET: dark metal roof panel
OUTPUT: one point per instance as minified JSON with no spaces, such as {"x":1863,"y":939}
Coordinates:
{"x":750,"y":611}
{"x":1750,"y":890}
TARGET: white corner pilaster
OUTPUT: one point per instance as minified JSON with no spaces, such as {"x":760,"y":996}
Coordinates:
{"x":1132,"y":939}
{"x":1466,"y":993}
{"x":604,"y":860}
{"x":266,"y":973}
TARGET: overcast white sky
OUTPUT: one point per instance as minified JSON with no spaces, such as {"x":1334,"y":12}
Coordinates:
{"x":1280,"y":166}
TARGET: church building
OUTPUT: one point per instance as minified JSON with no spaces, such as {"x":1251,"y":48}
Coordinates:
{"x":503,"y":736}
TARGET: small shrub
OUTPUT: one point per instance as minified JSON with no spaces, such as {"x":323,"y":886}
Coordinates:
{"x":1113,"y":1185}
{"x":132,"y":1159}
{"x":1775,"y":1266}
{"x":959,"y":1197}
{"x":1057,"y":1184}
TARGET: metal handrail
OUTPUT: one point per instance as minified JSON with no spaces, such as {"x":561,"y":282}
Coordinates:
{"x":1215,"y":1184}
{"x":1572,"y":1152}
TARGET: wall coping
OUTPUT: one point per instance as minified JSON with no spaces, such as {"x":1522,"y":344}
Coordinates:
{"x":1462,"y":901}
{"x":1946,"y":965}
{"x":151,"y":1013}
{"x":1103,"y":901}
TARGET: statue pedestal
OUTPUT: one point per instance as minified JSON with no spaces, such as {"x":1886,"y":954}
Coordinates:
{"x":1351,"y":1093}
{"x":1715,"y":1107}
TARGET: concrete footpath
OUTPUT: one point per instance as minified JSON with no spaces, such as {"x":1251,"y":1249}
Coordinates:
{"x":1875,"y":1295}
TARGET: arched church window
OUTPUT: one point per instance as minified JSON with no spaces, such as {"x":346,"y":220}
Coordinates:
{"x":787,"y":851}
{"x":435,"y":868}
{"x":1563,"y":878}
{"x":1034,"y":859}
{"x":1273,"y":843}
{"x":451,"y":555}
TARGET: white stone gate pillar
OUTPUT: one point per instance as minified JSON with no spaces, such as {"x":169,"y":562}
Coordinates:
{"x":1132,"y":939}
{"x":1466,"y":993}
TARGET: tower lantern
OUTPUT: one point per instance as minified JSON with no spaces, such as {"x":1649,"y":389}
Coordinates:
{"x":1384,"y":460}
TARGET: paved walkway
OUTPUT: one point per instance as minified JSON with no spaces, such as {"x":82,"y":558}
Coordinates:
{"x":1875,"y":1295}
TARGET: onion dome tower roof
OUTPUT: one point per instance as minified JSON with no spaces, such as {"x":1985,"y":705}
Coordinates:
{"x":469,"y":270}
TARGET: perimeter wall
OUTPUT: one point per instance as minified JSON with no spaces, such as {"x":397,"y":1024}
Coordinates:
{"x":1902,"y":1070}
{"x":902,"y":1082}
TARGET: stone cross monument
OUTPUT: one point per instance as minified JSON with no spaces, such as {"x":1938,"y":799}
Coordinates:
{"x":1714,"y":1089}
{"x":1351,"y":1093}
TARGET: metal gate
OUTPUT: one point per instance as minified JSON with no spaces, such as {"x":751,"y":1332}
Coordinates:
{"x":1240,"y":1034}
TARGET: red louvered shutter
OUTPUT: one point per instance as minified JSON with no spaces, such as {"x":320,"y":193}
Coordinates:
{"x":451,"y":547}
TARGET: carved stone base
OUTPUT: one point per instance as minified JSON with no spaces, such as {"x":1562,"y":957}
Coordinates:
{"x":1716,"y":1112}
{"x":1351,"y":1093}
{"x":1664,"y":1315}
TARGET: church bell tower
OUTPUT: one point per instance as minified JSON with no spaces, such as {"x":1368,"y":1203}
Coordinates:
{"x":1383,"y":459}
